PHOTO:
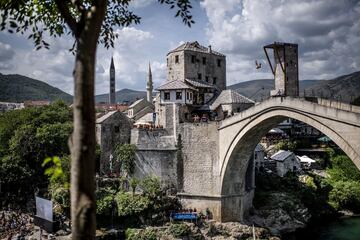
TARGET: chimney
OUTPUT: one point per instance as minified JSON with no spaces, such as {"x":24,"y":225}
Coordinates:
{"x":209,"y":48}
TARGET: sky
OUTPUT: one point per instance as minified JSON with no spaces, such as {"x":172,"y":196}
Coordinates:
{"x":327,"y":31}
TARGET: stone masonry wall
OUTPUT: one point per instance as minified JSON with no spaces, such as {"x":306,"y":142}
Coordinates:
{"x":155,"y":155}
{"x":200,"y":156}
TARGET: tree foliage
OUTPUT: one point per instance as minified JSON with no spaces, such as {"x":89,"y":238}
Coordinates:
{"x":346,"y":195}
{"x":125,"y":157}
{"x":286,"y":145}
{"x":59,"y":17}
{"x":28,"y":136}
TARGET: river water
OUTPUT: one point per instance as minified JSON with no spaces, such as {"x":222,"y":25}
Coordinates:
{"x":341,"y":229}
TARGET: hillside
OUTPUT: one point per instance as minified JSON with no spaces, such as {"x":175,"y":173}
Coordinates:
{"x":18,"y":88}
{"x":124,"y":95}
{"x":346,"y":87}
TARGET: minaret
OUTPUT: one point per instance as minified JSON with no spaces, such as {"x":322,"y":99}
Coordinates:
{"x":112,"y":82}
{"x":149,"y":86}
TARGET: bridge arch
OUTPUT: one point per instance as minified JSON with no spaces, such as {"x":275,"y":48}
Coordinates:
{"x":255,"y":123}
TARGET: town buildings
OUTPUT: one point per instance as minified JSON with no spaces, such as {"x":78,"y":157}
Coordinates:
{"x":188,"y":107}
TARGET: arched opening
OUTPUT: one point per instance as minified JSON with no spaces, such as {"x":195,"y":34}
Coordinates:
{"x":237,"y":189}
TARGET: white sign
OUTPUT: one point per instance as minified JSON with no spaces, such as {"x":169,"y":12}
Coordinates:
{"x":44,"y":209}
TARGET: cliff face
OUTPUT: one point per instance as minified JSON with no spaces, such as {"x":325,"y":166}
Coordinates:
{"x":281,"y":213}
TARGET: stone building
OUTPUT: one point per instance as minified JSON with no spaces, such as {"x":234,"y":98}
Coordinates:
{"x":7,"y":106}
{"x":286,"y":161}
{"x":112,"y":129}
{"x":139,"y":108}
{"x":195,"y":62}
{"x":196,"y":77}
{"x":155,"y":155}
{"x":284,"y":68}
{"x":230,"y":102}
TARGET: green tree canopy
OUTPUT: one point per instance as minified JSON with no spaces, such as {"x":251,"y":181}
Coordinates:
{"x":125,"y":156}
{"x":38,"y":133}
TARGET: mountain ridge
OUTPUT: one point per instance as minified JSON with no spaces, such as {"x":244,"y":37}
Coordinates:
{"x":18,"y":88}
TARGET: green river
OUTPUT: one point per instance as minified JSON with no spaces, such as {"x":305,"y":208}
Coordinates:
{"x":341,"y":229}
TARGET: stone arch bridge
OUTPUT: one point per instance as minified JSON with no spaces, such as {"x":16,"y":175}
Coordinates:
{"x":221,"y":187}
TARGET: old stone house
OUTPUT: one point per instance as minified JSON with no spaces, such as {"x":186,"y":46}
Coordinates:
{"x":230,"y":102}
{"x":112,"y":129}
{"x":139,"y":108}
{"x":285,"y":161}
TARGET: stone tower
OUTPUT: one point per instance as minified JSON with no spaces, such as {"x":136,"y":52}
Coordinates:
{"x":149,"y":86}
{"x":112,"y":82}
{"x":284,"y":68}
{"x":195,"y":62}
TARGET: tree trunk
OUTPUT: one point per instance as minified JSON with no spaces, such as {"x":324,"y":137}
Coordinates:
{"x":82,"y":142}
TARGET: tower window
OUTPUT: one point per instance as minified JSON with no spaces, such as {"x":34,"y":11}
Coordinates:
{"x":193,"y":58}
{"x":178,"y":95}
{"x":176,"y":58}
{"x":187,"y":95}
{"x":204,"y":60}
{"x":116,"y":129}
{"x":207,"y":79}
{"x":166,"y":95}
{"x":199,"y":76}
{"x":214,"y":80}
{"x":219,"y":62}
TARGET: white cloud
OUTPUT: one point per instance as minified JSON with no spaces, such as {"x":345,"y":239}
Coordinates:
{"x":131,"y":56}
{"x":6,"y":55}
{"x":325,"y":31}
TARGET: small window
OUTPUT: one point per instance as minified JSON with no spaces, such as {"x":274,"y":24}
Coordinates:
{"x":177,"y":59}
{"x":214,"y":80}
{"x":166,"y":95}
{"x":207,"y":79}
{"x":178,"y":95}
{"x":219,"y":62}
{"x":187,"y":95}
{"x":191,"y":95}
{"x":193,"y":58}
{"x":287,"y":79}
{"x":204,"y":60}
{"x":117,"y":129}
{"x":199,"y":76}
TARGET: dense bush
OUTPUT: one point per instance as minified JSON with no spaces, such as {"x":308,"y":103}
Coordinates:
{"x":179,"y":230}
{"x":125,"y":157}
{"x":141,"y":234}
{"x":346,"y":195}
{"x":286,"y":145}
{"x":131,"y":205}
{"x":343,"y":169}
{"x":27,"y":137}
{"x":105,"y":201}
